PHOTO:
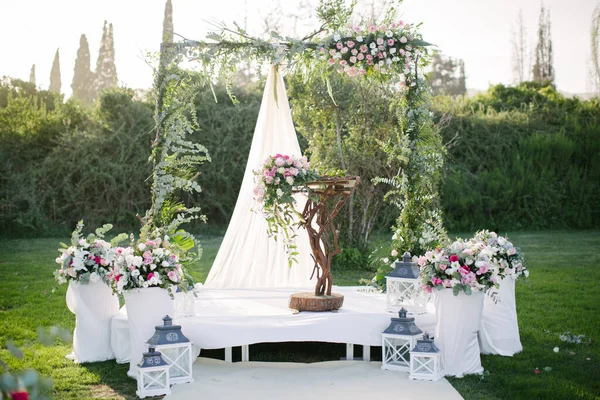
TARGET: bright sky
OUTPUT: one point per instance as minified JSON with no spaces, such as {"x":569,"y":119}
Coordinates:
{"x":479,"y":31}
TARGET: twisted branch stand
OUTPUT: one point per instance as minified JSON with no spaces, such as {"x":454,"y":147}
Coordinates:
{"x":318,"y":221}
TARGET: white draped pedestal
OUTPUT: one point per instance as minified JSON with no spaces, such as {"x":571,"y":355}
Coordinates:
{"x":499,"y":333}
{"x":94,"y":305}
{"x":145,"y":310}
{"x":458,"y":321}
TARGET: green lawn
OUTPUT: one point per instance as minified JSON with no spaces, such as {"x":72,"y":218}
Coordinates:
{"x":563,"y":296}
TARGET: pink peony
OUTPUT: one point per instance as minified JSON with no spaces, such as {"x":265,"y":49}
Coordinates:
{"x":280,"y":162}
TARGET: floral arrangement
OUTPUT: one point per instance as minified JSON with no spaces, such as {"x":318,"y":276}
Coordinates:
{"x":508,"y":258}
{"x":462,"y":266}
{"x":149,"y":263}
{"x":88,"y":259}
{"x":383,"y":48}
{"x":275,"y":182}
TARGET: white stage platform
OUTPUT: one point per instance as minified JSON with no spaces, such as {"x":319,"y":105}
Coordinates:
{"x":226,"y":318}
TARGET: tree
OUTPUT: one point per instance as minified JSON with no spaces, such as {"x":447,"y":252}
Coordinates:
{"x":55,"y":75}
{"x":519,"y":52}
{"x":32,"y":75}
{"x":595,"y":36}
{"x":447,"y":76}
{"x":168,"y":23}
{"x":106,"y":70}
{"x":83,"y":79}
{"x":543,"y":70}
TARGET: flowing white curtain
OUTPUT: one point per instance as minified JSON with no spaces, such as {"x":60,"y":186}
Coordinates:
{"x":248,"y":258}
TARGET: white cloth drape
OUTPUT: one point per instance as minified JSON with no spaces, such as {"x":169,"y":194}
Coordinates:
{"x":248,"y":258}
{"x":119,"y":336}
{"x":145,"y":309}
{"x":458,"y":320}
{"x":499,"y":333}
{"x":93,"y":305}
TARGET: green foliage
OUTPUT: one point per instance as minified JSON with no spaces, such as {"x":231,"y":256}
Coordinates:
{"x":521,"y":157}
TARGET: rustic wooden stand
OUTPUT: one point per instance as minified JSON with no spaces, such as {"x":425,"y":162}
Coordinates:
{"x":318,"y":221}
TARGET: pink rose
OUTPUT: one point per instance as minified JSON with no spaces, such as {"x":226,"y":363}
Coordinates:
{"x":394,"y":253}
{"x":443,"y":267}
{"x":331,"y":61}
{"x":390,"y":42}
{"x":380,"y":48}
{"x":350,"y":44}
{"x":369,"y":57}
{"x":362,"y":71}
{"x":369,"y":62}
{"x":372,"y":29}
{"x":280,"y":162}
{"x":352,"y":71}
{"x":379,"y":41}
{"x":354,"y":52}
{"x":340,"y":70}
{"x":403,"y":39}
{"x":427,"y":288}
{"x":344,"y":50}
{"x":173,"y":276}
{"x":453,"y":258}
{"x":353,"y":60}
{"x":363,"y":48}
{"x":118,"y":278}
{"x":448,"y":283}
{"x":482,"y":270}
{"x":356,"y":29}
{"x":343,"y":63}
{"x":332,"y":52}
{"x":339,"y":45}
{"x":380,"y":55}
{"x":360,"y":56}
{"x":150,"y":275}
{"x":383,"y":28}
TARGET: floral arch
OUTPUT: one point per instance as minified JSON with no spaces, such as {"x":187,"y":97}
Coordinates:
{"x":390,"y":51}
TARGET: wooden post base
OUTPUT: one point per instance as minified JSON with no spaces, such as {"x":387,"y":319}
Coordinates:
{"x":310,"y":302}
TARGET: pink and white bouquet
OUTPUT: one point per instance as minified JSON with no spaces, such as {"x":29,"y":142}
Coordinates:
{"x":462,"y":266}
{"x":279,"y":177}
{"x":88,"y":259}
{"x":374,"y":47}
{"x":150,"y":263}
{"x":508,"y":258}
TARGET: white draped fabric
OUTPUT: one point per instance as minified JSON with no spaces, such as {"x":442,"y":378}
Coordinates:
{"x":93,"y":305}
{"x":499,"y":332}
{"x":248,"y":258}
{"x":458,"y":320}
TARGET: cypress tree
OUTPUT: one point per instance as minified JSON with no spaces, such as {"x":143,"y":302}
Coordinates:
{"x":83,"y":79}
{"x":168,"y":23}
{"x":543,"y":70}
{"x":55,"y":75}
{"x":32,"y":75}
{"x":111,"y":66}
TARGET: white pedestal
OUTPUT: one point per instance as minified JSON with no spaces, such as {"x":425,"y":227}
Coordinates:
{"x":458,"y":321}
{"x":93,"y":305}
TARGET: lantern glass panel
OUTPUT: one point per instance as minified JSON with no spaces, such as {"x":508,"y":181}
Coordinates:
{"x":155,"y":380}
{"x":178,"y":358}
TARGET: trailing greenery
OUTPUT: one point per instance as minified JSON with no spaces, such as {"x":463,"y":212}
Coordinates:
{"x":521,"y":157}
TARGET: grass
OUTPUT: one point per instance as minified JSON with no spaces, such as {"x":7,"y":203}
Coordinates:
{"x":562,"y":296}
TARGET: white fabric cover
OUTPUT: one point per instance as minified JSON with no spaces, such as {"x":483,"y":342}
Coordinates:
{"x":119,"y":336}
{"x":93,"y":305}
{"x":236,"y":317}
{"x":458,"y":320}
{"x":499,"y":333}
{"x":248,"y":258}
{"x":145,"y":309}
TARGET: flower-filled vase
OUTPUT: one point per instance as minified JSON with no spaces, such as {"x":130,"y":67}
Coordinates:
{"x":145,"y":309}
{"x":458,"y":321}
{"x":94,"y":305}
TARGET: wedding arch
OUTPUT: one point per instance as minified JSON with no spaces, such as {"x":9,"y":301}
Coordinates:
{"x":389,"y":51}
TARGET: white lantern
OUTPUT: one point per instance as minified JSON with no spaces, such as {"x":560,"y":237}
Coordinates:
{"x":153,"y":375}
{"x":176,"y":350}
{"x":184,"y":302}
{"x":403,"y":289}
{"x":425,"y":360}
{"x":397,"y":341}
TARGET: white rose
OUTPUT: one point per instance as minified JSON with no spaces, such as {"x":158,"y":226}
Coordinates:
{"x":135,"y":272}
{"x":142,"y":246}
{"x":336,"y":37}
{"x":279,"y":192}
{"x":289,"y":180}
{"x":59,"y":260}
{"x":281,"y":170}
{"x":359,"y":38}
{"x":526,"y":273}
{"x":94,"y":277}
{"x":152,"y":267}
{"x":393,"y":50}
{"x":137,"y":261}
{"x":386,"y":260}
{"x":165,"y":263}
